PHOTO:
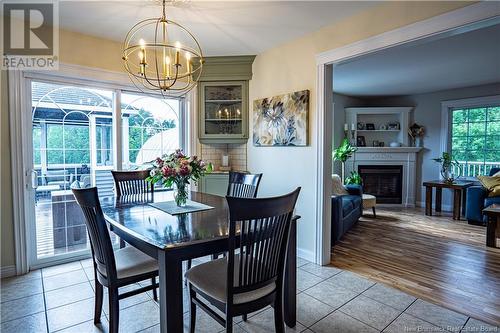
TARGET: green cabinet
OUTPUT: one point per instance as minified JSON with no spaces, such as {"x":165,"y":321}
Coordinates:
{"x":223,"y":99}
{"x":214,"y":183}
{"x":224,"y":112}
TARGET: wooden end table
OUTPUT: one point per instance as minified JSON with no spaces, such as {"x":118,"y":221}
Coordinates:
{"x":493,"y":226}
{"x":459,"y":196}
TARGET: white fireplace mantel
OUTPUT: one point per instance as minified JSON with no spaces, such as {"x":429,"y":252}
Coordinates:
{"x":403,"y":156}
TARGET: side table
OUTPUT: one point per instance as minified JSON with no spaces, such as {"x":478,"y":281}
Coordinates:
{"x":459,"y":196}
{"x":493,"y":226}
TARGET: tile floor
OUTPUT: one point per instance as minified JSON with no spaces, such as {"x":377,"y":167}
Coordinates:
{"x":60,"y":299}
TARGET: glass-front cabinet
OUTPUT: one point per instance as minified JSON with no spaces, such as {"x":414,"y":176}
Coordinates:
{"x":223,"y":112}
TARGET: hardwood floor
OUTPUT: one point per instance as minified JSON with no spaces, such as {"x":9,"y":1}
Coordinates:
{"x":434,"y":258}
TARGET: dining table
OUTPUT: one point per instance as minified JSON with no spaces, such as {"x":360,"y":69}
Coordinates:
{"x":173,"y":239}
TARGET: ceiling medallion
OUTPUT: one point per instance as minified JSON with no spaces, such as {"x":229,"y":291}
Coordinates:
{"x":161,"y":55}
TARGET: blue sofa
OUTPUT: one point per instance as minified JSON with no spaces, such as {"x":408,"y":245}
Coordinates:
{"x":346,"y":211}
{"x":477,"y":200}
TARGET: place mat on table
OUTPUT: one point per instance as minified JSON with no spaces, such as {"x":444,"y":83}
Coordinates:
{"x":172,"y":208}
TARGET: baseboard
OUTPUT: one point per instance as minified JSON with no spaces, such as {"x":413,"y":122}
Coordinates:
{"x":7,"y":271}
{"x":445,"y":208}
{"x":305,"y":254}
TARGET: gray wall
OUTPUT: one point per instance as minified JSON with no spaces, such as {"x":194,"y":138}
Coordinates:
{"x":428,"y":113}
{"x":340,"y":102}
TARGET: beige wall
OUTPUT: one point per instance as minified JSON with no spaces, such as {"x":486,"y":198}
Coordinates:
{"x":76,"y":49}
{"x":292,"y":67}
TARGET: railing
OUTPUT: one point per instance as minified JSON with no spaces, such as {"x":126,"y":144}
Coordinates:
{"x":474,"y":169}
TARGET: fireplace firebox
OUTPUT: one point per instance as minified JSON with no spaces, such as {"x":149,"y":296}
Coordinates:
{"x":383,"y":181}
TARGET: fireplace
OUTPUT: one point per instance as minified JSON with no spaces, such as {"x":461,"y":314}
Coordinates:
{"x":383,"y":181}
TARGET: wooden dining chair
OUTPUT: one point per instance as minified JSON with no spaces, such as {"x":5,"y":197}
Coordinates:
{"x":241,"y":185}
{"x":132,"y":182}
{"x":112,"y":269}
{"x":251,"y":276}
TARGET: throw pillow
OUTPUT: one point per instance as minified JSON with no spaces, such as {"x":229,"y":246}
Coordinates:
{"x":492,"y":184}
{"x":337,"y":186}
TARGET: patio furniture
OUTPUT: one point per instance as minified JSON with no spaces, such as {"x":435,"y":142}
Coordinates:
{"x":478,"y":200}
{"x":112,"y":269}
{"x":61,"y":178}
{"x":347,"y":207}
{"x":459,"y":196}
{"x":369,"y":201}
{"x":68,"y":221}
{"x":251,"y":277}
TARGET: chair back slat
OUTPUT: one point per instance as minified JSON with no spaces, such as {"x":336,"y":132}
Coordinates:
{"x":243,"y":185}
{"x":100,"y":241}
{"x":259,"y":228}
{"x":132,"y":182}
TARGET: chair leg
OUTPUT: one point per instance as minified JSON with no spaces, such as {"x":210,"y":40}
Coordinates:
{"x":244,"y":317}
{"x":229,"y":323}
{"x":279,"y":325}
{"x":155,"y":293}
{"x":374,"y":214}
{"x":114,"y":310}
{"x":192,"y":311}
{"x":98,"y":302}
{"x":189,"y":264}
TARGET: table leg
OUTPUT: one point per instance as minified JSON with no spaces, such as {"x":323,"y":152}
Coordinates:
{"x":457,"y":197}
{"x":439,"y":199}
{"x":170,"y":293}
{"x":428,"y":200}
{"x":290,"y":285}
{"x":464,"y":200}
{"x":491,"y":233}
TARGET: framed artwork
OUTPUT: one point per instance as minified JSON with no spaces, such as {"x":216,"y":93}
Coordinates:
{"x":281,"y":120}
{"x":360,"y":141}
{"x":370,"y":127}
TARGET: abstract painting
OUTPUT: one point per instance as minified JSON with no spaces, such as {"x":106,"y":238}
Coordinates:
{"x":281,"y":120}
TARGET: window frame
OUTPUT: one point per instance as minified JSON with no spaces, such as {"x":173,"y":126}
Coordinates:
{"x":447,"y":108}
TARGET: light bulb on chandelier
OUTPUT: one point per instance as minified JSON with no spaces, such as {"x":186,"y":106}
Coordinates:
{"x":152,"y":67}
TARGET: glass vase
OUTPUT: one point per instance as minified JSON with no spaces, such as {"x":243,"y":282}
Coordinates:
{"x":181,"y":193}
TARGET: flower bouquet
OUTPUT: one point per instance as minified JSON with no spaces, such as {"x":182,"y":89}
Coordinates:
{"x":178,"y":169}
{"x":416,"y":132}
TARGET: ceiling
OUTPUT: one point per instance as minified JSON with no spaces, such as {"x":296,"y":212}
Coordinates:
{"x":223,"y":28}
{"x":468,"y":59}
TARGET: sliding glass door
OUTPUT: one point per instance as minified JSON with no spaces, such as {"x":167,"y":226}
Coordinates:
{"x":73,"y":138}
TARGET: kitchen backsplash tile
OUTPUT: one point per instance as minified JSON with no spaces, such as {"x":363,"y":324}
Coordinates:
{"x":237,"y":155}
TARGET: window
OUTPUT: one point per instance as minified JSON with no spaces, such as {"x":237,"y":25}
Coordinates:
{"x":150,"y":128}
{"x":475,"y":139}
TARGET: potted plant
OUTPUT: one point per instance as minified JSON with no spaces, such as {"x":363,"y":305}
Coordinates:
{"x":416,"y":132}
{"x":354,"y":179}
{"x":449,"y":167}
{"x":178,"y":169}
{"x":343,"y":153}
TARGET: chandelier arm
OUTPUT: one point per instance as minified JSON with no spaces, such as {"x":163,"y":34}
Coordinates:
{"x":156,"y":55}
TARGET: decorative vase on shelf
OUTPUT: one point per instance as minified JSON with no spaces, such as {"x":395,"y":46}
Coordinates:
{"x":181,"y":193}
{"x":418,"y":142}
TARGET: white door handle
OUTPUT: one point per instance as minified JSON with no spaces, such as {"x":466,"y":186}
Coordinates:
{"x":34,"y":179}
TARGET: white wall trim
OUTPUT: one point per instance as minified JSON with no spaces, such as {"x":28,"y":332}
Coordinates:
{"x":7,"y":271}
{"x":16,"y":85}
{"x":305,"y":254}
{"x":457,"y":21}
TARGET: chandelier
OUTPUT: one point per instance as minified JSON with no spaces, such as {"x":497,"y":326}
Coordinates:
{"x":156,"y":60}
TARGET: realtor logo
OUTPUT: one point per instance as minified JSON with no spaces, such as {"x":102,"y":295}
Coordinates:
{"x":30,"y":35}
